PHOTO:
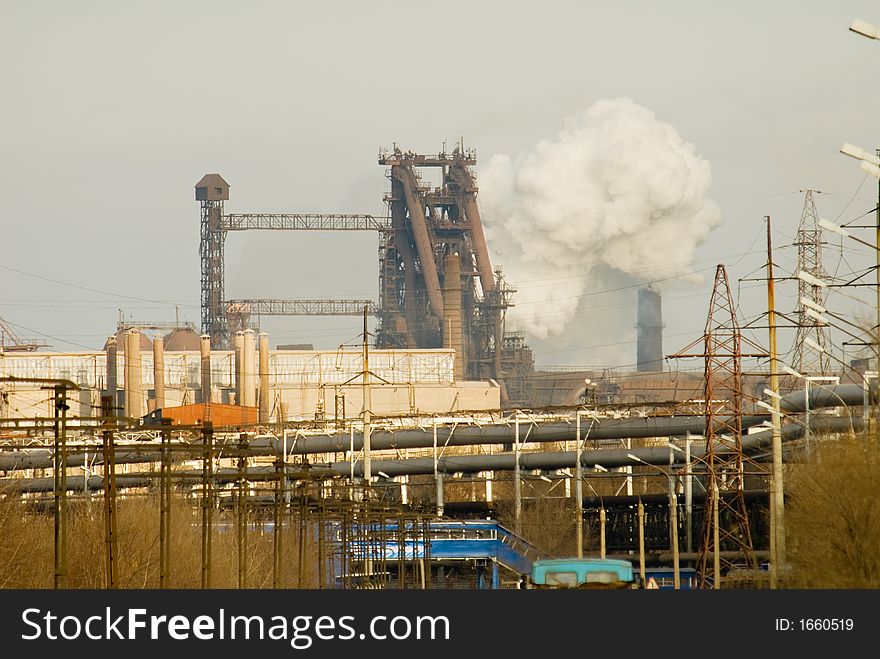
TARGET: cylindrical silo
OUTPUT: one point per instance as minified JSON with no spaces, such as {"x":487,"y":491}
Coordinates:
{"x":134,"y":404}
{"x":238,"y":346}
{"x":265,"y":402}
{"x":249,"y":395}
{"x":159,"y":372}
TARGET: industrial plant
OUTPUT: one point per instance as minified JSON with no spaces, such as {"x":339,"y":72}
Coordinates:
{"x":434,"y":453}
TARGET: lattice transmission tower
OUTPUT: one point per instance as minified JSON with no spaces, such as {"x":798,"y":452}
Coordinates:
{"x":806,"y":358}
{"x":729,"y":538}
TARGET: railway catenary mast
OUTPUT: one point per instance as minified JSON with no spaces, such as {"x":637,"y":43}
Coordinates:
{"x":428,"y":224}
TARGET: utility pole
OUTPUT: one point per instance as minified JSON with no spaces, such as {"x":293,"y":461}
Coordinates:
{"x":278,"y":520}
{"x":777,"y":502}
{"x":368,"y":403}
{"x":875,"y":411}
{"x":641,"y":511}
{"x":579,"y":491}
{"x":165,"y":508}
{"x":60,"y":478}
{"x":517,"y":481}
{"x":241,"y":512}
{"x":673,"y":524}
{"x":110,"y":533}
{"x":207,"y":501}
{"x":59,"y":389}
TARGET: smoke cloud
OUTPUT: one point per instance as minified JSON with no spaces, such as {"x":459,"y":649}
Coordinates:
{"x":617,"y":198}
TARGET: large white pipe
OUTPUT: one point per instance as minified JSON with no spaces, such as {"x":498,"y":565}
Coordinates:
{"x":11,"y":460}
{"x":560,"y":431}
{"x":265,"y":402}
{"x":134,"y":404}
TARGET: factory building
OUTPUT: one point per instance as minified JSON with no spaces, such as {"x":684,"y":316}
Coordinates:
{"x":141,"y":376}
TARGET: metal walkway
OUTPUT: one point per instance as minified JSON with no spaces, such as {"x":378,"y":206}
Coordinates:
{"x":448,"y":540}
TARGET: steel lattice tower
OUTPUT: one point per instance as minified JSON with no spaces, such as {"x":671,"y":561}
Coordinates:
{"x":724,"y":461}
{"x":809,"y":243}
{"x":212,"y":191}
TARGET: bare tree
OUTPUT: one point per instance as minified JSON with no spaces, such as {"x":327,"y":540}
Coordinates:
{"x":833,"y":509}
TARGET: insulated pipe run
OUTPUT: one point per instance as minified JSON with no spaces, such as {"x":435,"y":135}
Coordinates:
{"x":600,"y":429}
{"x":159,"y":372}
{"x":422,"y":238}
{"x":205,"y":353}
{"x":607,"y":458}
{"x":498,"y":434}
{"x":43,"y":459}
{"x":824,"y":396}
{"x":74,"y":483}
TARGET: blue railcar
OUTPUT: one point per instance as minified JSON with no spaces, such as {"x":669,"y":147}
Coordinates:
{"x":583,"y":573}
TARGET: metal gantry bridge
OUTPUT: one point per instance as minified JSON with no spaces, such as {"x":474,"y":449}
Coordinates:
{"x":220,"y":316}
{"x":303,"y":222}
{"x":302,"y":307}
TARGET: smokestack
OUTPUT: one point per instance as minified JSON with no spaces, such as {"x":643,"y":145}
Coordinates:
{"x":265,"y":403}
{"x":112,"y":384}
{"x":205,"y":351}
{"x":649,"y":337}
{"x":134,"y":404}
{"x":249,"y":349}
{"x":452,"y":311}
{"x":239,"y":367}
{"x":159,"y":372}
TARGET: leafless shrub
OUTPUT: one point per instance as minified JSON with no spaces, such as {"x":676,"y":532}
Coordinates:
{"x":833,"y":515}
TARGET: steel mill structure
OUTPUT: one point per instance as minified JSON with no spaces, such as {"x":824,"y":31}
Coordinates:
{"x":437,"y":285}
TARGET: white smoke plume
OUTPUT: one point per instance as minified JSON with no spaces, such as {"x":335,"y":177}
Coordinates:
{"x":617,"y":196}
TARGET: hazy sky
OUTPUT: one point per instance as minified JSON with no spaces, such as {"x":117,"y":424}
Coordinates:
{"x":112,"y":111}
